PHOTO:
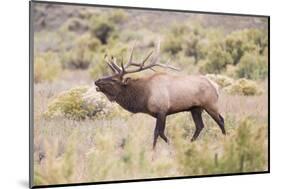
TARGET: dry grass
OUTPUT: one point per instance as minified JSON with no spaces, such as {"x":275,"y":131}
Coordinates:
{"x":121,"y":148}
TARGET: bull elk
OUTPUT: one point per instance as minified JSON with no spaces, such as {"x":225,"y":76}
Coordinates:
{"x":160,"y":94}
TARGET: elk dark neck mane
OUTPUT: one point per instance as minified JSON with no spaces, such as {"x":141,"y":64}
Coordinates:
{"x":133,"y":97}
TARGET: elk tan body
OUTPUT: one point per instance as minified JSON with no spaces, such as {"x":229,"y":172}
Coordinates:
{"x":162,"y":94}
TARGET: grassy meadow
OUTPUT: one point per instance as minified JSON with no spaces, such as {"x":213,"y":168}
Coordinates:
{"x":79,"y":136}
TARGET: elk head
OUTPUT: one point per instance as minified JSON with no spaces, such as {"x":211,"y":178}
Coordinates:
{"x":112,"y":85}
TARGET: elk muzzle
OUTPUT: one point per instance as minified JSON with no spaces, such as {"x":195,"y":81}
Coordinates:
{"x":98,"y":84}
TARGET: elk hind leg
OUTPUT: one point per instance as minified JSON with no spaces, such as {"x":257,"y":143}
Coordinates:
{"x":217,"y":117}
{"x":197,"y":118}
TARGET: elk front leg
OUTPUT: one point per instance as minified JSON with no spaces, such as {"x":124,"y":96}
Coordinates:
{"x":160,"y":129}
{"x":197,"y":118}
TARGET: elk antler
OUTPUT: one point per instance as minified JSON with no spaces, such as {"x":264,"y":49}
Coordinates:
{"x":140,"y":66}
{"x":112,"y":64}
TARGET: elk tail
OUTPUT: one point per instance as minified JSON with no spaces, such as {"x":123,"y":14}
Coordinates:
{"x":215,"y":85}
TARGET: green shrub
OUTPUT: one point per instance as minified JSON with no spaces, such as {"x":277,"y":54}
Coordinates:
{"x":252,"y":66}
{"x":127,"y":36}
{"x":98,"y":71}
{"x":187,"y":38}
{"x":86,"y":14}
{"x":173,"y":42}
{"x":75,"y":25}
{"x":102,"y":28}
{"x":194,"y":43}
{"x":235,"y":155}
{"x":237,"y":44}
{"x":220,"y":53}
{"x":46,"y":67}
{"x":66,"y":39}
{"x":245,"y":41}
{"x":86,"y":40}
{"x":99,"y":68}
{"x":244,"y":87}
{"x":216,"y":61}
{"x":77,"y":58}
{"x":172,"y":45}
{"x":234,"y":45}
{"x":259,"y":38}
{"x":240,"y":156}
{"x":118,"y":16}
{"x":78,"y":103}
{"x":81,"y":55}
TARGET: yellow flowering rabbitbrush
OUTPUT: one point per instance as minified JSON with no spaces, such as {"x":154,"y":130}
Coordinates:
{"x":78,"y":103}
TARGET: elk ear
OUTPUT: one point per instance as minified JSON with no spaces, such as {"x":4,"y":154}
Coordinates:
{"x":126,"y":81}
